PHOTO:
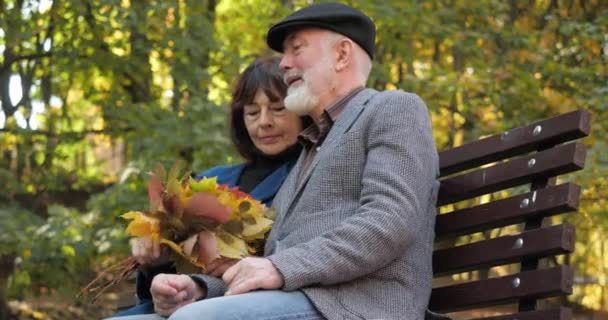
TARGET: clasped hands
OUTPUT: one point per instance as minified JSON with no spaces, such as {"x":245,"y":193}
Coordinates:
{"x":172,"y":291}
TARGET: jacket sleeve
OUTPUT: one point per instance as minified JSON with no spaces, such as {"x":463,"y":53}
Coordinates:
{"x":398,"y":184}
{"x":214,"y":287}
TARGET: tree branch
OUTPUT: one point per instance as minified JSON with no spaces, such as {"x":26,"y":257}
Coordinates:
{"x":71,"y":134}
{"x":7,"y":64}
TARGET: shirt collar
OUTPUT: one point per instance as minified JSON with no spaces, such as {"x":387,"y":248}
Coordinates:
{"x":315,"y":133}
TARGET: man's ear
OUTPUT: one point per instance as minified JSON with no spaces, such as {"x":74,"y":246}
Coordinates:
{"x":344,"y":54}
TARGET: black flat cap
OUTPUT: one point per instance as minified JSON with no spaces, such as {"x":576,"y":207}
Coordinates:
{"x":336,"y":17}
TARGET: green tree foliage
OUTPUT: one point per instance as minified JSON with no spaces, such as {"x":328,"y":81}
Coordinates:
{"x":94,"y":92}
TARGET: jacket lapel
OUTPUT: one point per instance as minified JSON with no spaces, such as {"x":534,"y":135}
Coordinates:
{"x":287,"y":192}
{"x":288,"y":188}
{"x":344,"y":122}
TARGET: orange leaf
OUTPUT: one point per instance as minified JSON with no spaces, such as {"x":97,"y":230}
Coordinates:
{"x":155,"y":189}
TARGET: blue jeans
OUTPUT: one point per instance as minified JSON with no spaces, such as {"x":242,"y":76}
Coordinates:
{"x":257,"y":305}
{"x":144,"y":307}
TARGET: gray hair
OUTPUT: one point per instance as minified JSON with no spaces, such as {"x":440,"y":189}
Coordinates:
{"x":363,"y":62}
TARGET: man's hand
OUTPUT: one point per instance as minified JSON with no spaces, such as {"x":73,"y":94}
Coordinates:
{"x":218,"y":266}
{"x":172,"y":291}
{"x":250,"y":274}
{"x":149,"y":253}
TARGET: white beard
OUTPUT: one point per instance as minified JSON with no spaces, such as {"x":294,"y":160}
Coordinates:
{"x":300,"y":99}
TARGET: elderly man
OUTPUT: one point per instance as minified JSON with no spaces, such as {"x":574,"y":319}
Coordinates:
{"x":353,"y":236}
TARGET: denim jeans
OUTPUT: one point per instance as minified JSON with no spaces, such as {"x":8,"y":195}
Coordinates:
{"x":257,"y":305}
{"x":144,"y":307}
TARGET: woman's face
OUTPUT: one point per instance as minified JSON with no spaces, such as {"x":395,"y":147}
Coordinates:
{"x":271,"y":127}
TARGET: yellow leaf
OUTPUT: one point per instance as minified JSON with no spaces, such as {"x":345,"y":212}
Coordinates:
{"x":258,"y":210}
{"x":257,"y":230}
{"x":142,"y":225}
{"x":180,"y":251}
{"x":230,"y":246}
{"x":185,"y":193}
{"x":204,"y":185}
{"x":188,"y":244}
{"x":174,"y":187}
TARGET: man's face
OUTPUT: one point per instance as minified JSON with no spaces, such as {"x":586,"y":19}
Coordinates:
{"x":309,"y":69}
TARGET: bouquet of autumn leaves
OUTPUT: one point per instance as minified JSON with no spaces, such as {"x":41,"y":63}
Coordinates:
{"x":199,"y":221}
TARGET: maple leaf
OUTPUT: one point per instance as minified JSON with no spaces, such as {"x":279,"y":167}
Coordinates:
{"x":235,"y":191}
{"x":180,"y":251}
{"x":257,"y":229}
{"x":160,"y":172}
{"x":142,"y":225}
{"x":230,"y":246}
{"x":200,"y":248}
{"x":173,"y":204}
{"x":173,"y":185}
{"x":155,"y":190}
{"x":208,"y":185}
{"x":207,"y":206}
{"x":188,"y":244}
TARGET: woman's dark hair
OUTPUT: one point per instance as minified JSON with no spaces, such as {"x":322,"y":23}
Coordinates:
{"x":263,"y":74}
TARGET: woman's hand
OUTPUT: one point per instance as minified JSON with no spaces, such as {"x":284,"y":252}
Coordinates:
{"x":148,"y":252}
{"x":173,"y":291}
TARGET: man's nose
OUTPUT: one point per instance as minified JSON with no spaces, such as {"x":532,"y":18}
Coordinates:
{"x":285,"y":63}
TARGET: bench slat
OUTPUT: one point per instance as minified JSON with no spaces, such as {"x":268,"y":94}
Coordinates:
{"x":537,"y":243}
{"x":552,"y":314}
{"x":495,"y":291}
{"x":559,"y":160}
{"x":515,"y":142}
{"x":542,"y":203}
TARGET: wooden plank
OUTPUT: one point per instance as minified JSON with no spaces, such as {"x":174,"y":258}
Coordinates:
{"x":556,"y":130}
{"x":537,"y":243}
{"x":508,"y":289}
{"x":542,"y":203}
{"x":552,"y":314}
{"x":555,"y":161}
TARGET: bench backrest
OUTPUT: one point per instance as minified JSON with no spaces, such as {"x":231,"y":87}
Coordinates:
{"x":475,"y":177}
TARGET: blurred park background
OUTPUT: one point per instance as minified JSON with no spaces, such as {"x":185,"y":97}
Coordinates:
{"x":94,"y":92}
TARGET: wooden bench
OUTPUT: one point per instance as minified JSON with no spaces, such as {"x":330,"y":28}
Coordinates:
{"x":503,"y":249}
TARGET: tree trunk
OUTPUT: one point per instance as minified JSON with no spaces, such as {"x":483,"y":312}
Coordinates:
{"x":6,"y":268}
{"x":3,"y":305}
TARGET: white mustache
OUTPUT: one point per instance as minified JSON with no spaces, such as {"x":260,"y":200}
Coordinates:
{"x":288,"y":76}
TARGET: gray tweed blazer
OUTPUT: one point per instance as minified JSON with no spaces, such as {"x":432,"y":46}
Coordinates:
{"x":356,"y":235}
